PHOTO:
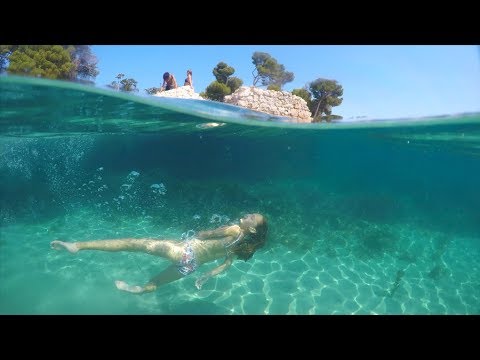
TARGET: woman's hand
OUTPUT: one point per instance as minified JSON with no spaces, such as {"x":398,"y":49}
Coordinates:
{"x":200,"y":281}
{"x":135,"y":289}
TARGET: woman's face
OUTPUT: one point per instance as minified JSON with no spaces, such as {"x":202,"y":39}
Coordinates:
{"x":247,"y":217}
{"x":250,"y":221}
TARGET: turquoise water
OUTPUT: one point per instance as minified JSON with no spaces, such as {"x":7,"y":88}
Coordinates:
{"x":379,"y":217}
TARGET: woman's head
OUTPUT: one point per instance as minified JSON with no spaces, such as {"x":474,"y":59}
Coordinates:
{"x":189,"y":72}
{"x":166,"y":76}
{"x":254,"y":228}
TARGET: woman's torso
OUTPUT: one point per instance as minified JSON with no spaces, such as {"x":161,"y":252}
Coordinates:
{"x":214,"y":248}
{"x":208,"y":250}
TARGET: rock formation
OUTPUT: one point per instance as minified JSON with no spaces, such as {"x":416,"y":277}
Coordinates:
{"x":184,"y":92}
{"x":279,"y":103}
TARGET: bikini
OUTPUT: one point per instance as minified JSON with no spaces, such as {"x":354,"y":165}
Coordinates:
{"x":227,"y":247}
{"x":188,"y":262}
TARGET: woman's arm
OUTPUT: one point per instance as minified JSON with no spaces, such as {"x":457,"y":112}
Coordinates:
{"x":219,"y":269}
{"x":220,"y":232}
{"x":174,"y":82}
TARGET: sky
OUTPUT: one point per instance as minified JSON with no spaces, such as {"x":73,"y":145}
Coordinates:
{"x":379,"y":81}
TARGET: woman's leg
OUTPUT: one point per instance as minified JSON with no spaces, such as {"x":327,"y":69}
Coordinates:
{"x":165,"y":248}
{"x":168,"y":275}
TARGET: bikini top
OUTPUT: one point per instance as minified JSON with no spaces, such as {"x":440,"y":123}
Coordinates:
{"x":228,"y":246}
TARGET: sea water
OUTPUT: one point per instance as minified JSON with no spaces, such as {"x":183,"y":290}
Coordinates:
{"x":371,"y":217}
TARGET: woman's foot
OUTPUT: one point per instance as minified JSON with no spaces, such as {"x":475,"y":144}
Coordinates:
{"x":122,"y":285}
{"x":61,"y":245}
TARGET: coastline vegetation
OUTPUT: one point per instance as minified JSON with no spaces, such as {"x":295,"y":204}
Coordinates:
{"x":78,"y":63}
{"x":63,"y":62}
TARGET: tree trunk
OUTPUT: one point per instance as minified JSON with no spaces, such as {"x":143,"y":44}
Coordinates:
{"x":316,"y":111}
{"x":255,"y":77}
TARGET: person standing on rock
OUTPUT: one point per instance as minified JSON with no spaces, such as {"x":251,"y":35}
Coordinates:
{"x":188,"y":80}
{"x":169,"y":82}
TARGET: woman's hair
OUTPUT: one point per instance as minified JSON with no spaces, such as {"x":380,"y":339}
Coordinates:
{"x":166,"y":75}
{"x":189,"y":71}
{"x":252,"y":242}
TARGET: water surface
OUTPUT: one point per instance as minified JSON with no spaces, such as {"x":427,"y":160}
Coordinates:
{"x":374,"y":217}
